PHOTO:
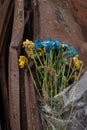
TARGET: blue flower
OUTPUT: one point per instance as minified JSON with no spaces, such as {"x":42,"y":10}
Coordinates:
{"x":67,"y":46}
{"x":47,"y":43}
{"x":71,"y":52}
{"x":53,"y":45}
{"x":37,"y":44}
{"x":56,"y":44}
{"x":41,"y":43}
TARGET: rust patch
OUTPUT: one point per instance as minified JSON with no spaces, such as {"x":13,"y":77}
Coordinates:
{"x":60,"y":19}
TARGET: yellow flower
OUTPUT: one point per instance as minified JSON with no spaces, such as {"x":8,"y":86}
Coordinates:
{"x":29,"y":47}
{"x":75,"y":75}
{"x":22,"y":61}
{"x":78,"y":64}
{"x":29,"y":53}
{"x":75,"y":59}
{"x":41,"y":51}
{"x":28,"y":43}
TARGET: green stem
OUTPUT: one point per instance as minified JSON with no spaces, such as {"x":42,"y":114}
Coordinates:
{"x":80,"y":71}
{"x":38,"y":67}
{"x":69,"y":67}
{"x":71,"y":74}
{"x":38,"y":58}
{"x":34,"y":81}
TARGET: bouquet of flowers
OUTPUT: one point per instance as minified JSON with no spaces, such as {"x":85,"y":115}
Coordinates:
{"x":57,"y":66}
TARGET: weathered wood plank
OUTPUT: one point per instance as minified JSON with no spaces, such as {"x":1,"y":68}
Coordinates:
{"x":33,"y":116}
{"x":14,"y":87}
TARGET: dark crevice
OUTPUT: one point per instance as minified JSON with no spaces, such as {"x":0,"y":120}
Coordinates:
{"x":28,"y":30}
{"x":9,"y":34}
{"x":27,"y":5}
{"x":28,"y":14}
{"x":28,"y":34}
{"x":2,"y":1}
{"x":1,"y":110}
{"x":23,"y":112}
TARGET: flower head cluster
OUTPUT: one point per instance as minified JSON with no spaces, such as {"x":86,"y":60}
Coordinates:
{"x":44,"y":46}
{"x":22,"y":61}
{"x":77,"y":63}
{"x":28,"y":43}
{"x":29,"y":47}
{"x":47,"y":44}
{"x":55,"y":44}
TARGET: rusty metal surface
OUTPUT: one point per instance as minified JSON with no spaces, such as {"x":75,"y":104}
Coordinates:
{"x":66,"y":20}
